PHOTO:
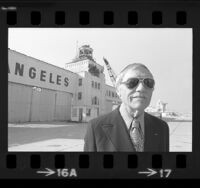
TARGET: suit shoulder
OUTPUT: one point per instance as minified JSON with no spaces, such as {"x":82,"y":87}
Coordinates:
{"x":103,"y":119}
{"x":158,"y":122}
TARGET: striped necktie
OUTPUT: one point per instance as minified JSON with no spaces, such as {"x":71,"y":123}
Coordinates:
{"x":137,"y":135}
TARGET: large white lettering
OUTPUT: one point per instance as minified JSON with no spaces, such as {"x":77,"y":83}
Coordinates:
{"x":43,"y":75}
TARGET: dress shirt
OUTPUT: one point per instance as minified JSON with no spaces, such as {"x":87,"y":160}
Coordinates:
{"x":128,"y":118}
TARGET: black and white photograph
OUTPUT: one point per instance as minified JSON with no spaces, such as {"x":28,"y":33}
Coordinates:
{"x":100,"y":89}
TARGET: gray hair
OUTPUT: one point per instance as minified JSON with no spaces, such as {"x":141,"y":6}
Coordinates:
{"x":120,"y":76}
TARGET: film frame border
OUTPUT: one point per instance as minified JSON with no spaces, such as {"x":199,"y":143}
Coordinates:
{"x":173,"y":14}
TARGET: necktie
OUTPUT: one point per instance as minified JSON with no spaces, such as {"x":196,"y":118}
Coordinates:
{"x":136,"y":135}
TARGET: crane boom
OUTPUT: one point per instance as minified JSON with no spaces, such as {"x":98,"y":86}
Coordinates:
{"x":110,"y":71}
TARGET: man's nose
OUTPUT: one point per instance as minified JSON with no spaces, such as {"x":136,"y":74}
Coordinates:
{"x":140,"y":87}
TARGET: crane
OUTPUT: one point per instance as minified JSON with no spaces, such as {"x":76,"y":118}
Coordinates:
{"x":110,"y":71}
{"x":113,"y":76}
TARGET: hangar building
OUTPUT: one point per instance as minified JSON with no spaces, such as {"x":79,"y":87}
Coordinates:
{"x":39,"y":91}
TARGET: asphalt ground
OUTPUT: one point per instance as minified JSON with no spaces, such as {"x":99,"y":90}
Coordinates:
{"x":68,"y":136}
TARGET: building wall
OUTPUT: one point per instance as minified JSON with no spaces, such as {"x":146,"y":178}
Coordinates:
{"x":79,"y":113}
{"x":78,"y":66}
{"x":111,"y":94}
{"x":63,"y":106}
{"x":83,"y":105}
{"x":19,"y":102}
{"x":39,"y":91}
{"x":26,"y":104}
{"x":89,"y":92}
{"x":42,"y":105}
{"x":108,"y":106}
{"x":30,"y":71}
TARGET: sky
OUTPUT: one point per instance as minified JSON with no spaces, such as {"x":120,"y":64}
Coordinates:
{"x":167,"y":52}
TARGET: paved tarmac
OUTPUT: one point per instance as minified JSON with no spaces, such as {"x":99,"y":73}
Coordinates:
{"x":68,"y":136}
{"x":180,"y":136}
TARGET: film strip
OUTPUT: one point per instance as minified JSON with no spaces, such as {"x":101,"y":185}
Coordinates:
{"x":106,"y":15}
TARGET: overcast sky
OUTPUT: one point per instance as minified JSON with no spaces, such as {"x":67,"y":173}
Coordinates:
{"x":166,"y":52}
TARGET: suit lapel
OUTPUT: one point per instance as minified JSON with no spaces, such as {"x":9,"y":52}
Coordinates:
{"x":116,"y":132}
{"x":150,"y":134}
{"x":117,"y":136}
{"x":147,"y":129}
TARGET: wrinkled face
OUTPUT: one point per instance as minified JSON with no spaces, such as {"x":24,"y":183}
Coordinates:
{"x":139,"y":97}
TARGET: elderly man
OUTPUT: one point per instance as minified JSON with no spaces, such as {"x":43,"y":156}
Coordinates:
{"x":129,"y":128}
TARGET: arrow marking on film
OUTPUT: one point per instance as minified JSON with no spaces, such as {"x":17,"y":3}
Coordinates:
{"x":48,"y":172}
{"x":150,"y":172}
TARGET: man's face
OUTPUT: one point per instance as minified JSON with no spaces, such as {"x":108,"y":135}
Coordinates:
{"x":139,"y":97}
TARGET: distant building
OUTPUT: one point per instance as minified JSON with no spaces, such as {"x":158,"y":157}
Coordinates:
{"x":39,"y":91}
{"x":161,"y":106}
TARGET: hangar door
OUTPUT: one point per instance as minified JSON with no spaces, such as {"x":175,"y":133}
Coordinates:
{"x":62,"y":106}
{"x":42,"y":105}
{"x":50,"y":105}
{"x":26,"y":104}
{"x":19,"y":97}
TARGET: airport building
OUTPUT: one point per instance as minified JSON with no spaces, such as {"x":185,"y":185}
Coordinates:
{"x":39,"y":91}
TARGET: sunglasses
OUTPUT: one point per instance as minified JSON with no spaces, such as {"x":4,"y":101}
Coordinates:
{"x":133,"y":82}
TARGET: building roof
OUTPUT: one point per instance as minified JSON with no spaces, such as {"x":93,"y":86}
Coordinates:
{"x":77,"y":59}
{"x":41,"y":61}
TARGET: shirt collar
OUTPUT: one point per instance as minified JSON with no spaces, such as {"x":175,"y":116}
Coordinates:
{"x":128,"y":118}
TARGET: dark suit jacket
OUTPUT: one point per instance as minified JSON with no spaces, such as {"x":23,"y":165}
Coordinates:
{"x":109,"y":133}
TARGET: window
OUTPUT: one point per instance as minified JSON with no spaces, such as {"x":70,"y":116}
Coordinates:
{"x":88,"y":112}
{"x":98,"y":85}
{"x":79,"y":95}
{"x":95,"y":101}
{"x":80,"y":81}
{"x":97,"y":111}
{"x":113,"y":95}
{"x":92,"y":83}
{"x":109,"y":94}
{"x":95,"y":84}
